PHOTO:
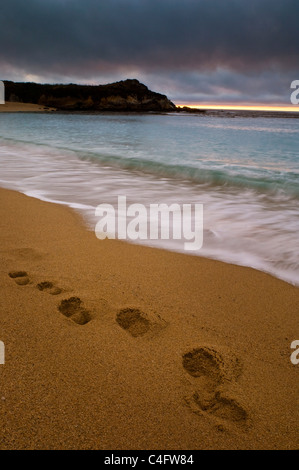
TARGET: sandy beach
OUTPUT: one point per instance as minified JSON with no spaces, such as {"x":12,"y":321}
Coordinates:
{"x":115,"y":346}
{"x":15,"y":107}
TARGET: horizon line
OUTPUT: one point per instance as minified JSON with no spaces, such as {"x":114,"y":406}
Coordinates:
{"x":241,"y":107}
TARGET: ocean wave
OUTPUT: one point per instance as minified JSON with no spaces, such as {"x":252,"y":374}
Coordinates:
{"x":222,"y":175}
{"x":270,"y":181}
{"x":250,"y":192}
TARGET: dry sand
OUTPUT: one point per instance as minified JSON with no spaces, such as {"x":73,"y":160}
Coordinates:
{"x":14,"y":107}
{"x":156,"y":350}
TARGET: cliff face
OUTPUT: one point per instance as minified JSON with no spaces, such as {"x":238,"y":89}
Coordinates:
{"x":128,"y":95}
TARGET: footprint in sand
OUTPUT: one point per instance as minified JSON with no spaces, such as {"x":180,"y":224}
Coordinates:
{"x":137,"y":323}
{"x":49,"y":287}
{"x":217,"y":394}
{"x":72,"y":308}
{"x":20,"y":277}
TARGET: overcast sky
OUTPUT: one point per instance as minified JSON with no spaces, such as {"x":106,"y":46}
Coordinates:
{"x":212,"y":51}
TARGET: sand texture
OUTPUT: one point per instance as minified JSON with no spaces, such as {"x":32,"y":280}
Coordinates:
{"x":116,"y":346}
{"x":15,"y":107}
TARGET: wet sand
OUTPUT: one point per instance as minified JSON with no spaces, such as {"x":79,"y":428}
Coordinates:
{"x":115,"y":346}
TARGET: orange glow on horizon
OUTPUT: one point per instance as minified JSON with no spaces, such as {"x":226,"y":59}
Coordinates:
{"x":242,"y":107}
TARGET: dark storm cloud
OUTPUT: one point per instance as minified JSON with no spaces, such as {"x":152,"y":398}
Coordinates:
{"x":91,"y":38}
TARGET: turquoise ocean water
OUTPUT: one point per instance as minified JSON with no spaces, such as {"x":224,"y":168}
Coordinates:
{"x":244,"y":170}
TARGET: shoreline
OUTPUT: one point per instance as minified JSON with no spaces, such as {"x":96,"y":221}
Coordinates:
{"x":176,"y":352}
{"x":16,"y":107}
{"x":79,"y":209}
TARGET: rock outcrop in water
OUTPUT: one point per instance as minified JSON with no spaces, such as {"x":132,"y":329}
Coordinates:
{"x":127,"y":95}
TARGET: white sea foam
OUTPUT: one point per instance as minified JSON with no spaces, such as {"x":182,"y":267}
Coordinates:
{"x":251,"y":206}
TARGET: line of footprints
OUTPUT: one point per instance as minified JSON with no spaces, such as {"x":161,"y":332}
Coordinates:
{"x":213,"y":375}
